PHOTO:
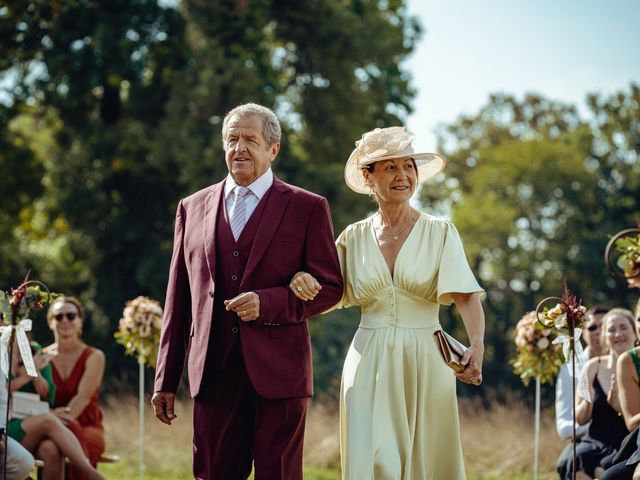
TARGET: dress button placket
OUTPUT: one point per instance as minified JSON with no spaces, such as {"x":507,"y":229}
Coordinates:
{"x":393,"y":308}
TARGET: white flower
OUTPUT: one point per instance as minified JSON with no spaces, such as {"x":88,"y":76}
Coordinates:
{"x":543,"y":343}
{"x":561,"y":321}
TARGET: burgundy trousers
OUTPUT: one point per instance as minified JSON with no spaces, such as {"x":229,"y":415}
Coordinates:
{"x":234,"y":427}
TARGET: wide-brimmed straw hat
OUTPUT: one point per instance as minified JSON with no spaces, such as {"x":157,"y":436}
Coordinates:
{"x":386,"y":144}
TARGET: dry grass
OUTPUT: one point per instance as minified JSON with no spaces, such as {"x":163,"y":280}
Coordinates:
{"x":497,"y":442}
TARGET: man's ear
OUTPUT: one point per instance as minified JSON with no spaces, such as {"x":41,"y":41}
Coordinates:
{"x":274,"y":150}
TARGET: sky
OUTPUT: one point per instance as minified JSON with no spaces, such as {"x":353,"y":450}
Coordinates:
{"x":562,"y":49}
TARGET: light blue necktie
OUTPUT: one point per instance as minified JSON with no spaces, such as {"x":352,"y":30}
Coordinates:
{"x":238,"y":213}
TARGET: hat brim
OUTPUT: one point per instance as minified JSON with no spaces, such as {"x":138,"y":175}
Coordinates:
{"x":428,"y":165}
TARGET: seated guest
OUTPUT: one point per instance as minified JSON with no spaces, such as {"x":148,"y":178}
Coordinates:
{"x":19,"y":461}
{"x":628,"y":381}
{"x":45,"y":435}
{"x":607,"y":429}
{"x":564,"y":388}
{"x":77,"y":373}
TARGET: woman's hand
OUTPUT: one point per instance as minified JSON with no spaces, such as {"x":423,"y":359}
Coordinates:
{"x":41,"y":360}
{"x":63,"y":413}
{"x":472,"y":358}
{"x":304,"y":286}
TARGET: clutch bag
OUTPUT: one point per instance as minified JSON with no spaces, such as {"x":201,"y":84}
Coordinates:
{"x":451,"y":350}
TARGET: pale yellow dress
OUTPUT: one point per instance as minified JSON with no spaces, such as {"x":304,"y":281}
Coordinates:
{"x":398,"y":407}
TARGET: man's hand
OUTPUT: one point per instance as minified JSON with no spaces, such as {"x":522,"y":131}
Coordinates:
{"x":163,"y":403}
{"x":3,"y":442}
{"x":246,"y":305}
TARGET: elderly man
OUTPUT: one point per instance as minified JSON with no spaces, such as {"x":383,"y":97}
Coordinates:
{"x":229,"y":311}
{"x":564,"y":412}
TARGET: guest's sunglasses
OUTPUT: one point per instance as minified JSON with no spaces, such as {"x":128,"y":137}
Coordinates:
{"x":70,"y":316}
{"x":593,"y":327}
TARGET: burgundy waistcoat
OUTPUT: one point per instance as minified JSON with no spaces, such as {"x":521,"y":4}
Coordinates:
{"x":231,"y":259}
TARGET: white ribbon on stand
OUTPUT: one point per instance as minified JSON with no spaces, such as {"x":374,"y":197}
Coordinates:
{"x":23,"y":346}
{"x":566,"y":340}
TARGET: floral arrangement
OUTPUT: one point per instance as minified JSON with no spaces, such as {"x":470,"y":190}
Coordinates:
{"x":565,"y":316}
{"x":20,"y":302}
{"x":139,"y":329}
{"x":537,"y":356}
{"x":629,"y":259}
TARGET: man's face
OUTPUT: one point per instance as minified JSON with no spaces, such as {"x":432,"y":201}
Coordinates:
{"x":592,"y":333}
{"x":247,"y":153}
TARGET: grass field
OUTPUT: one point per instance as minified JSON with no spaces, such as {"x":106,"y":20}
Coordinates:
{"x":497,"y":443}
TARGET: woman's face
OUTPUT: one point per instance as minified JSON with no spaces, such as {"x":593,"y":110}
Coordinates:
{"x":393,"y":181}
{"x":65,"y":320}
{"x":620,"y":334}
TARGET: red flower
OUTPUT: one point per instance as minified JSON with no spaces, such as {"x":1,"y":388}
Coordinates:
{"x":16,"y":298}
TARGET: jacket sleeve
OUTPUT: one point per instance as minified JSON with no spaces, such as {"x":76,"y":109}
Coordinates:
{"x":176,"y":321}
{"x":278,"y":305}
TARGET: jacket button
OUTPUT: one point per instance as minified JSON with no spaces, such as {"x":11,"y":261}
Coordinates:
{"x":234,"y":329}
{"x":234,"y":277}
{"x":211,"y":293}
{"x":236,"y":253}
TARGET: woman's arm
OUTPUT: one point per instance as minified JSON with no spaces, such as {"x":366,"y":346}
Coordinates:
{"x":470,"y":308}
{"x":628,"y":390}
{"x":584,"y":409}
{"x":89,"y":383}
{"x":40,"y":384}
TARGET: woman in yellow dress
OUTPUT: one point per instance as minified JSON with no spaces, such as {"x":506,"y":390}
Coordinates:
{"x":398,"y":407}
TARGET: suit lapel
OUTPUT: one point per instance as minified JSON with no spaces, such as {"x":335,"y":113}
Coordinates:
{"x":211,"y":208}
{"x":271,"y":217}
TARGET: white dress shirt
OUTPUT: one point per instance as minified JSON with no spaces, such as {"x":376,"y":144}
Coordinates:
{"x":259,"y":187}
{"x":564,"y":415}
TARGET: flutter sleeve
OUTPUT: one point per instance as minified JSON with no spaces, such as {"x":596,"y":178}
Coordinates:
{"x":454,"y":275}
{"x":347,"y":293}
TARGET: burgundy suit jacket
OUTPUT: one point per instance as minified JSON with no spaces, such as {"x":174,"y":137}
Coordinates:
{"x":295,"y":233}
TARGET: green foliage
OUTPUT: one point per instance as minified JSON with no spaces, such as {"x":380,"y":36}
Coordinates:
{"x":629,"y":248}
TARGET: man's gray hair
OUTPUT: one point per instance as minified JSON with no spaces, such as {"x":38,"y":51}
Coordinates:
{"x":271,"y":130}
